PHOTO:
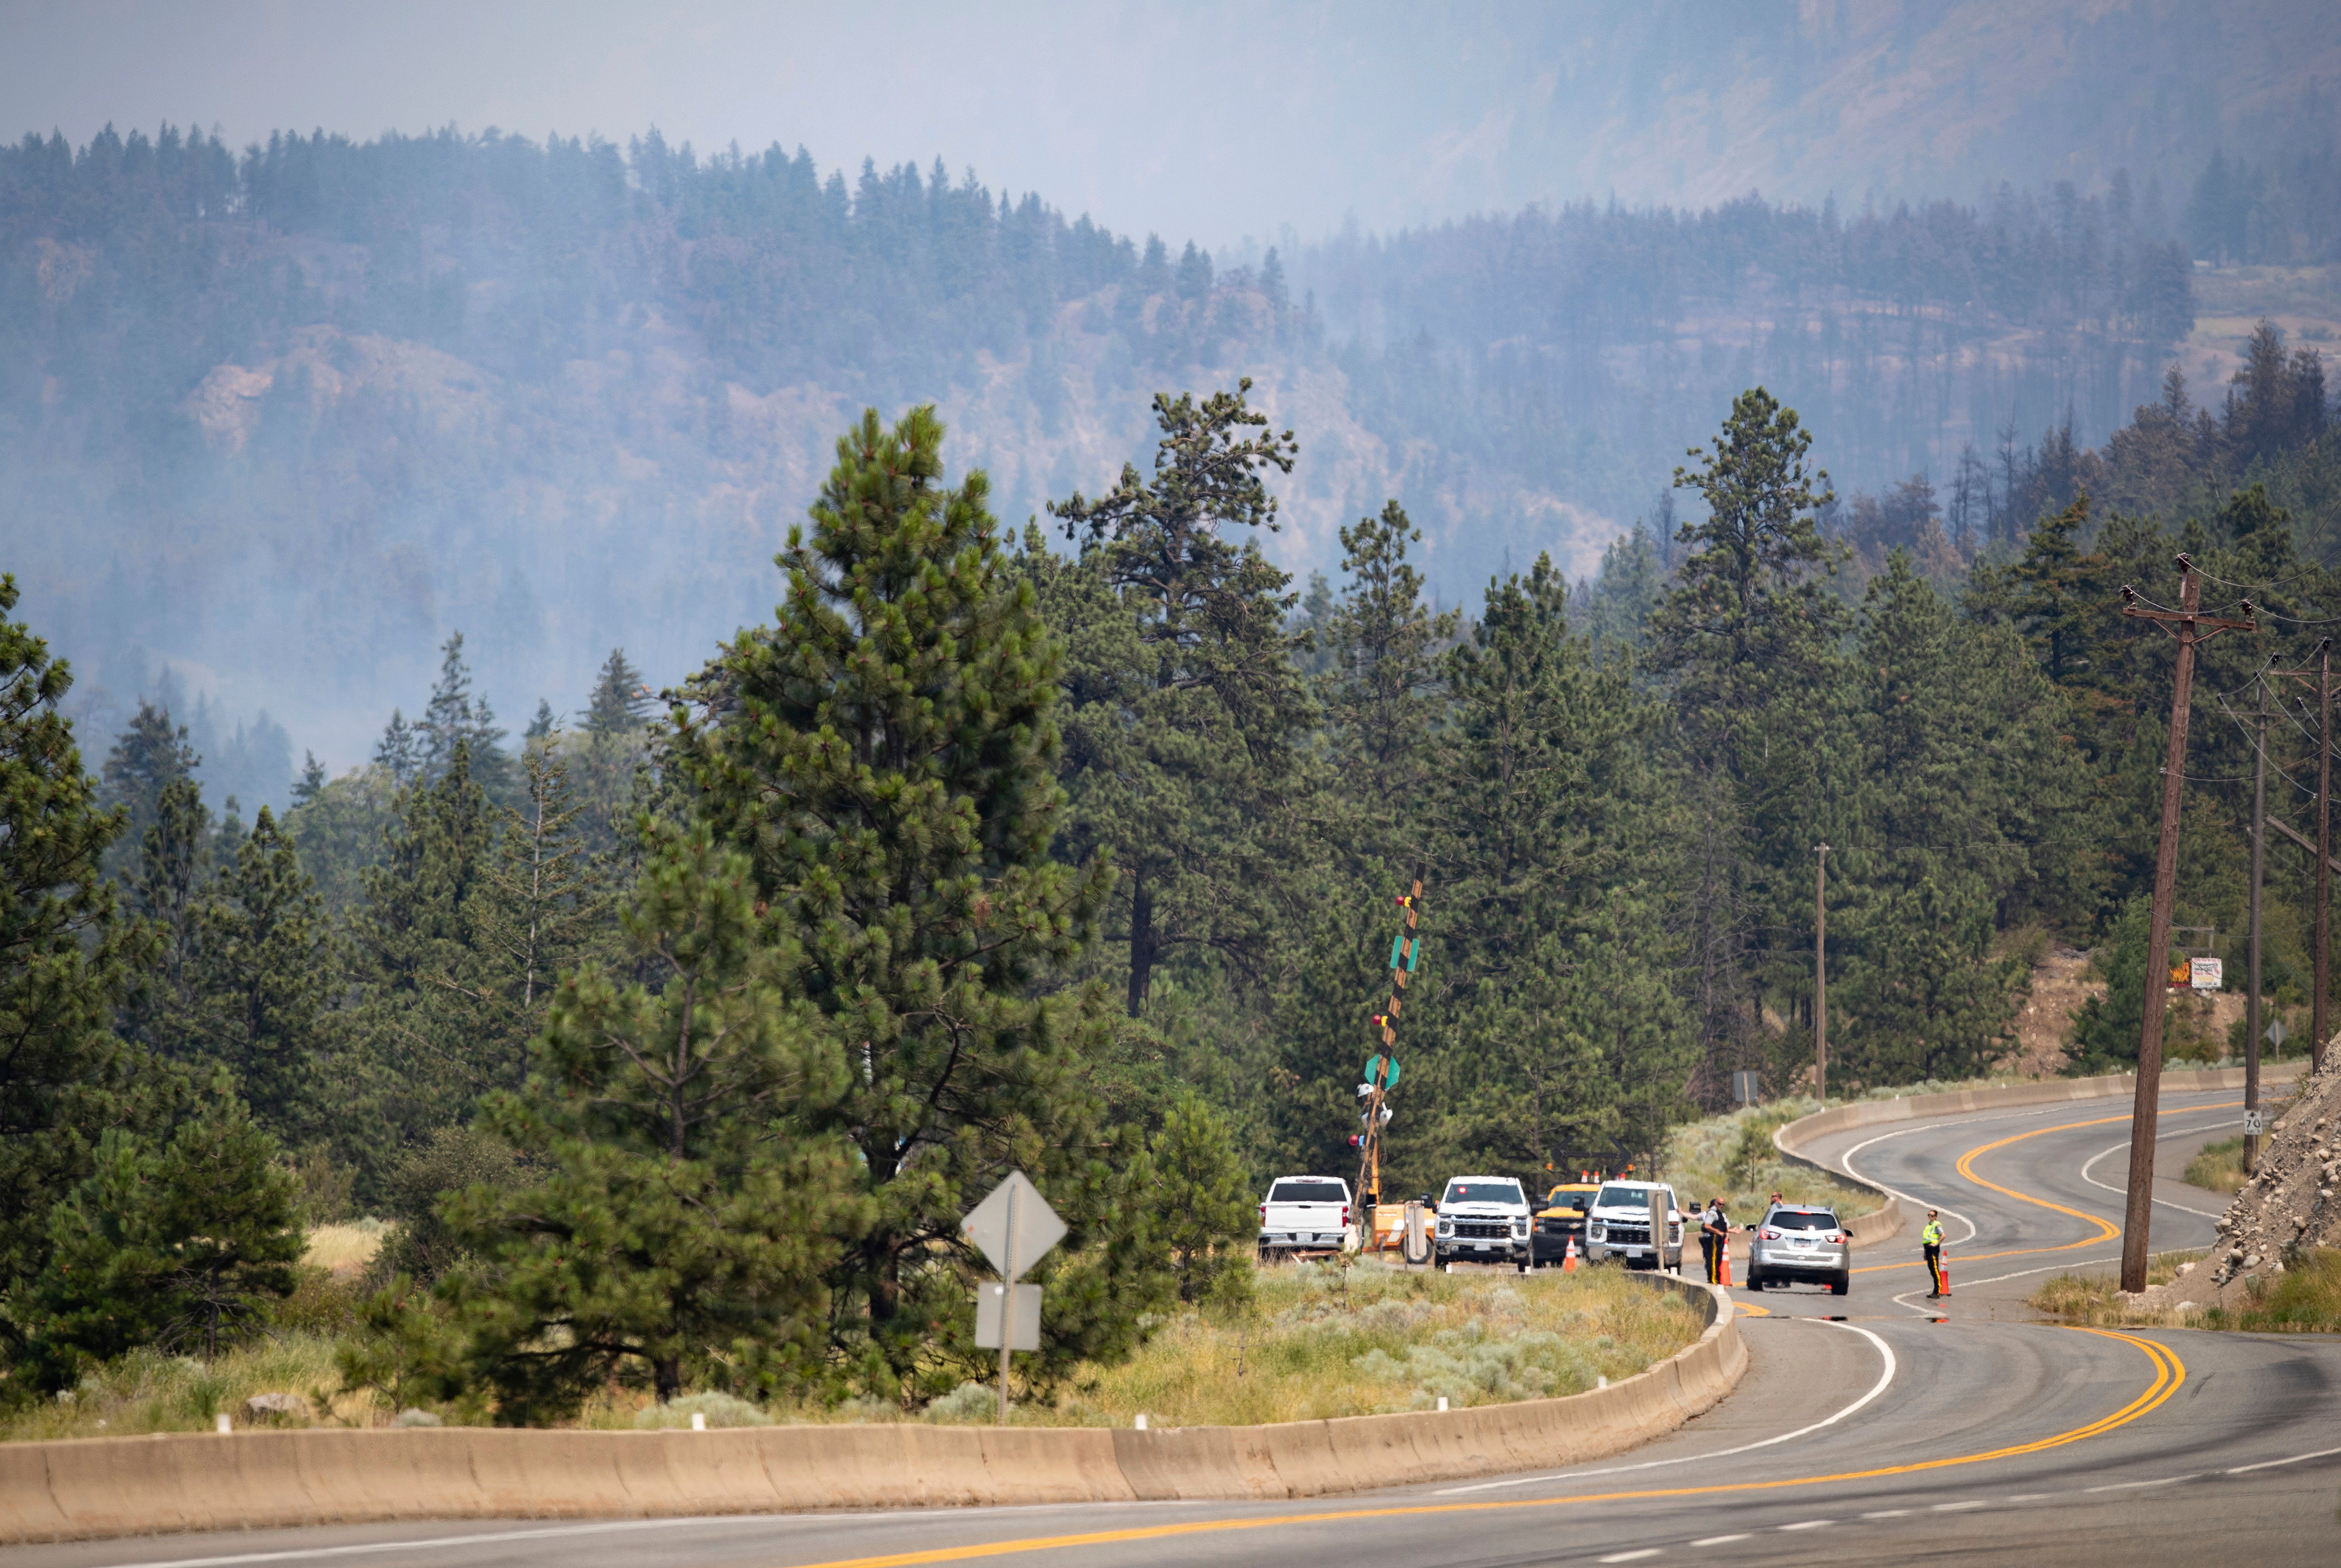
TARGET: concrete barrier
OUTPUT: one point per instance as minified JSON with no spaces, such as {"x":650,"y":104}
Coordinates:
{"x":1888,"y":1219}
{"x":89,"y":1488}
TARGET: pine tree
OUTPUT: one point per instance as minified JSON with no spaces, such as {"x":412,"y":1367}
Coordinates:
{"x":398,"y":754}
{"x":535,"y":915}
{"x":1202,"y":1199}
{"x":1190,"y":755}
{"x":454,"y":719}
{"x":62,"y":954}
{"x":149,"y":757}
{"x":885,"y":752}
{"x":266,"y":970}
{"x":183,"y":1244}
{"x":312,"y":782}
{"x":416,"y":964}
{"x":695,"y":1202}
{"x":1383,"y":696}
{"x":167,"y":891}
{"x":621,"y":703}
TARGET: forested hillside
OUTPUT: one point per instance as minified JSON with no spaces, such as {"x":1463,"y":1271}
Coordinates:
{"x":273,"y":425}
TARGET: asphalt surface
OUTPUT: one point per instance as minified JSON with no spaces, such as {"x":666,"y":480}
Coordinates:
{"x":1877,"y":1427}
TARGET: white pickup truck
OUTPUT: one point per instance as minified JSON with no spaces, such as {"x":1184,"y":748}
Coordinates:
{"x":1304,"y":1212}
{"x":1618,"y":1226}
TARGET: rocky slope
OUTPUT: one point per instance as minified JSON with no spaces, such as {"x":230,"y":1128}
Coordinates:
{"x":2287,"y":1206}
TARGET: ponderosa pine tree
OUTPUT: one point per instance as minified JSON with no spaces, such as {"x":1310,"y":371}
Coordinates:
{"x":1186,"y":764}
{"x":166,"y":889}
{"x":1205,"y":1196}
{"x":266,"y":970}
{"x":539,"y":910}
{"x":698,"y":1195}
{"x":609,"y":752}
{"x":63,"y":956}
{"x":147,"y":758}
{"x":886,"y":754}
{"x":1555,"y":1009}
{"x":182,"y":1243}
{"x":1381,"y":693}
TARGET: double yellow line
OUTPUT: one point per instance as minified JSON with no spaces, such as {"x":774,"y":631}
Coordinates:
{"x":2169,"y":1372}
{"x":2102,"y":1230}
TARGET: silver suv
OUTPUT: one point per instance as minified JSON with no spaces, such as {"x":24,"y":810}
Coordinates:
{"x":1800,"y":1241}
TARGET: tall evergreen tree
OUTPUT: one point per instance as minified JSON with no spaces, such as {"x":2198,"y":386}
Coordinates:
{"x":62,"y":955}
{"x":268,"y":969}
{"x":457,"y":717}
{"x":886,"y":754}
{"x":621,"y":703}
{"x":698,"y":1195}
{"x":536,"y":914}
{"x":167,"y":890}
{"x":148,"y":757}
{"x":182,"y":1243}
{"x":1188,"y":765}
{"x":1382,"y":695}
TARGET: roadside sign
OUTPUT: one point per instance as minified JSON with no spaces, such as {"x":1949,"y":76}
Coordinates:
{"x":1023,"y":1316}
{"x":2255,"y":1123}
{"x":2203,"y":974}
{"x":1375,"y":1064}
{"x":1014,"y":1217}
{"x":1658,"y":1227}
{"x":1745,"y":1087}
{"x":1014,"y":1227}
{"x":2275,"y":1034}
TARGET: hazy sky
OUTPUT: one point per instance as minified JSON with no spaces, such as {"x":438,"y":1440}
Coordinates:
{"x":1214,"y":120}
{"x":1203,"y":121}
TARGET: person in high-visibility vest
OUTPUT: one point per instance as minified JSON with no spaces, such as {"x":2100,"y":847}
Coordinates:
{"x":1931,"y":1240}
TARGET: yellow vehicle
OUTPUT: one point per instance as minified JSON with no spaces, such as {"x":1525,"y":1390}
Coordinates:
{"x":1562,"y":1216}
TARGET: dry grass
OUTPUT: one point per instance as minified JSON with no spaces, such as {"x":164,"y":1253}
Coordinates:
{"x":1318,"y":1341}
{"x":2305,"y":1298}
{"x":2218,"y":1167}
{"x":344,"y":1250}
{"x":1322,"y":1341}
{"x":148,"y":1391}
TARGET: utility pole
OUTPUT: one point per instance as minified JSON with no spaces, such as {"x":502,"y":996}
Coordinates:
{"x":2252,"y":962}
{"x":1821,"y":974}
{"x":2191,"y":630}
{"x":2323,"y":850}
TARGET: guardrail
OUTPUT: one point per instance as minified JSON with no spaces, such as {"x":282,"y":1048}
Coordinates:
{"x":1887,"y":1220}
{"x":95,"y":1488}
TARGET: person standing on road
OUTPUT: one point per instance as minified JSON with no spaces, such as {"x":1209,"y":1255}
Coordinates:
{"x":1711,"y":1230}
{"x":1931,"y":1240}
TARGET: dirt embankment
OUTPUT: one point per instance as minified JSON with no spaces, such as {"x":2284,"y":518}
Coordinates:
{"x":2061,"y":982}
{"x":2287,"y":1207}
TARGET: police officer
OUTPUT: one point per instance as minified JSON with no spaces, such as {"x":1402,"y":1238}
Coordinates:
{"x":1712,"y":1230}
{"x":1931,"y":1239}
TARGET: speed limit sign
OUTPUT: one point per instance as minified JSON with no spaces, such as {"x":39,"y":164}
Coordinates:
{"x":2255,"y":1123}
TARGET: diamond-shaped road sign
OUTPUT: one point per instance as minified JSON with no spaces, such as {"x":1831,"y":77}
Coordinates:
{"x":1014,"y":1227}
{"x":2275,"y":1034}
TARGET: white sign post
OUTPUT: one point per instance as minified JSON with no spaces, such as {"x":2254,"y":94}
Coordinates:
{"x":1014,"y":1227}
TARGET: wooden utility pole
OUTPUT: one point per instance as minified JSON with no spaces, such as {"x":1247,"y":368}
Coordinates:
{"x":2191,"y":628}
{"x":1821,"y":974}
{"x":2252,"y":961}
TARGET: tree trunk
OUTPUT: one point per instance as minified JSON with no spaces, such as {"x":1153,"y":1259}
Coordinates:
{"x":1142,"y":943}
{"x":666,"y":1378}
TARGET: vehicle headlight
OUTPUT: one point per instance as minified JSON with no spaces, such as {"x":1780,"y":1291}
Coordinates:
{"x":1598,"y":1231}
{"x":1447,"y":1227}
{"x":1519,"y":1227}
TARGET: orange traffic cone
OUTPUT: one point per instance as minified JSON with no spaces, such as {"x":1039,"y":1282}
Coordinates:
{"x":1723,"y":1263}
{"x":1943,"y":1268}
{"x":1568,"y":1258}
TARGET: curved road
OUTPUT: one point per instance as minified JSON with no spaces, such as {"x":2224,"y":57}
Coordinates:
{"x":1902,"y":1431}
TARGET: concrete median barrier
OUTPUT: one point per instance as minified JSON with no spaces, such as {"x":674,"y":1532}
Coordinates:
{"x":91,"y":1488}
{"x":1888,"y":1219}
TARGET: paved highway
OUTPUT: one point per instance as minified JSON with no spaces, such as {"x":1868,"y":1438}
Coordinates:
{"x":1878,"y":1427}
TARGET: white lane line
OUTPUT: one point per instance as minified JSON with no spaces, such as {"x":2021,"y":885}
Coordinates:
{"x":1903,"y":1300}
{"x":2088,"y":1164}
{"x":1888,"y":1513}
{"x":2134,"y":1485}
{"x":1885,"y":1379}
{"x":1628,"y":1556}
{"x":1845,"y":1160}
{"x":1955,"y":1507}
{"x":1845,"y":1163}
{"x":2272,"y":1463}
{"x":1720,"y":1540}
{"x":486,"y":1538}
{"x":1810,"y":1525}
{"x":2031,"y":1496}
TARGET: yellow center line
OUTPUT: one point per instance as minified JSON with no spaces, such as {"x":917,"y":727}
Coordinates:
{"x":2105,"y":1230}
{"x":2169,"y":1371}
